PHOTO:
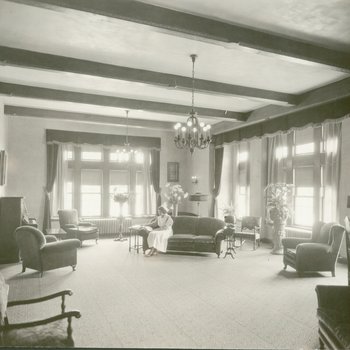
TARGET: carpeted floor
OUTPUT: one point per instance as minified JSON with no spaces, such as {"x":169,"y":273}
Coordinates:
{"x":179,"y":301}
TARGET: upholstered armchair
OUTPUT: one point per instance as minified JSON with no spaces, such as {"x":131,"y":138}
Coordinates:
{"x":319,"y":253}
{"x":75,"y":228}
{"x":54,"y":331}
{"x":250,"y":229}
{"x":43,"y":253}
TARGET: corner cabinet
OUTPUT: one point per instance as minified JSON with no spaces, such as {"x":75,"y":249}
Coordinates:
{"x":11,"y":215}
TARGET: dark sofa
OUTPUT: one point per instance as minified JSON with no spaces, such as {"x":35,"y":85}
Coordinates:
{"x":193,"y":234}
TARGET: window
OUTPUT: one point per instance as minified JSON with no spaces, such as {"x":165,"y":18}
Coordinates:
{"x":306,"y":148}
{"x":242,"y":188}
{"x":119,"y":182}
{"x":91,"y":192}
{"x":93,"y":175}
{"x":91,"y":153}
{"x":68,"y":191}
{"x":304,"y":206}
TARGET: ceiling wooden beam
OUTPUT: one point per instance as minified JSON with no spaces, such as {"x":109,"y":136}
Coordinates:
{"x":205,"y":28}
{"x":316,"y":97}
{"x":111,"y":101}
{"x":84,"y":117}
{"x":31,"y":59}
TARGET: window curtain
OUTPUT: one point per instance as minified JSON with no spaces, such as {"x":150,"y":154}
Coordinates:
{"x":218,"y":160}
{"x":331,"y":171}
{"x":229,"y":177}
{"x":149,"y":200}
{"x":51,"y":171}
{"x":155,"y":174}
{"x":276,"y":157}
{"x":61,"y":178}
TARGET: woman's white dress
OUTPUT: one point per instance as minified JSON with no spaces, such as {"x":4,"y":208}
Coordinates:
{"x":158,"y":238}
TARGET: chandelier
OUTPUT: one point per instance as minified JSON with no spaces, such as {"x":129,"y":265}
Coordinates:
{"x":127,"y":151}
{"x":194,"y":134}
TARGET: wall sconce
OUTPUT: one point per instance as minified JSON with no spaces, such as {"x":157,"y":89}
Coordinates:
{"x":194,"y":180}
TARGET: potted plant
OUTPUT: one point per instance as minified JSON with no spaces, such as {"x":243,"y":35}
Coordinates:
{"x":174,"y":194}
{"x":278,"y":211}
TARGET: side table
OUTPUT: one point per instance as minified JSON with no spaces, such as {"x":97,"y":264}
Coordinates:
{"x":230,"y":240}
{"x":134,"y":238}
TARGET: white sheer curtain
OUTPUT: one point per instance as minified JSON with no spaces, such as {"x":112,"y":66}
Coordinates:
{"x":277,"y":152}
{"x":331,"y":171}
{"x":229,"y":178}
{"x":149,"y":197}
{"x":61,"y":178}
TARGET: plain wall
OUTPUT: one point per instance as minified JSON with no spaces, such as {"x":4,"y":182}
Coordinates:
{"x":27,"y":155}
{"x":3,"y":141}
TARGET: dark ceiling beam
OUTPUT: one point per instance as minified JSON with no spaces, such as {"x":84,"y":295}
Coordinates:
{"x":84,"y":117}
{"x":111,"y":101}
{"x":31,"y":59}
{"x":316,"y":97}
{"x":204,"y":28}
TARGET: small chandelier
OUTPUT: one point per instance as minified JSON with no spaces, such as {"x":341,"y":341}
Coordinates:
{"x":127,"y":151}
{"x":193,"y":134}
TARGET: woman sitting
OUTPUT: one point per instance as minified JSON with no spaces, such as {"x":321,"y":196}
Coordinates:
{"x":158,"y":238}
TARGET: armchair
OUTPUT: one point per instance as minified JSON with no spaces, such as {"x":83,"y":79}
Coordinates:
{"x":250,"y":229}
{"x":70,"y":223}
{"x":43,"y":253}
{"x":318,"y":253}
{"x":49,"y":332}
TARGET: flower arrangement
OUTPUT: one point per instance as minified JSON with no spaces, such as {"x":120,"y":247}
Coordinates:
{"x":277,"y":201}
{"x":120,"y":197}
{"x":228,"y":210}
{"x":174,"y":193}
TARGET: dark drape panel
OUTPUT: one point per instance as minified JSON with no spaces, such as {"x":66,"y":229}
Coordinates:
{"x":63,"y":136}
{"x":155,"y":174}
{"x":218,"y":159}
{"x":51,"y":170}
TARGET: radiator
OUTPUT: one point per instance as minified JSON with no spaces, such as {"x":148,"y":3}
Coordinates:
{"x":110,"y":226}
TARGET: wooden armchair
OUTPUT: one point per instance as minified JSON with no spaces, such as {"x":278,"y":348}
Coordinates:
{"x":49,"y":332}
{"x":250,"y":229}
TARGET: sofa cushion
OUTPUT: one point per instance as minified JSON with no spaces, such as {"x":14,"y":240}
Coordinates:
{"x":185,"y":225}
{"x":183,"y":238}
{"x":204,"y":239}
{"x":209,"y":226}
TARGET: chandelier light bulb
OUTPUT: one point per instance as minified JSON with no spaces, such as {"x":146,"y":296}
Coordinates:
{"x":183,"y":129}
{"x":194,"y":129}
{"x":201,"y":124}
{"x":208,"y":126}
{"x":189,"y":123}
{"x":177,"y":126}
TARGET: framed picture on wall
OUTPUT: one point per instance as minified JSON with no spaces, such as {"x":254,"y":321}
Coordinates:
{"x":173,"y":171}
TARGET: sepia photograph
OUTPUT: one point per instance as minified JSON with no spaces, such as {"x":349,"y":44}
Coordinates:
{"x":174,"y":174}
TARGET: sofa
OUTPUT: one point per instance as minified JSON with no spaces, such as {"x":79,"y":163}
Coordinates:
{"x":333,"y":314}
{"x":318,"y":253}
{"x":193,"y":234}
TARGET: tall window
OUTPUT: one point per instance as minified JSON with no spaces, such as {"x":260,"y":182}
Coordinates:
{"x":91,"y":192}
{"x":93,"y":174}
{"x":242,"y":189}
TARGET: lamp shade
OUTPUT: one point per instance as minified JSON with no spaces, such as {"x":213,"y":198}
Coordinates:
{"x":198,"y":197}
{"x":348,"y":203}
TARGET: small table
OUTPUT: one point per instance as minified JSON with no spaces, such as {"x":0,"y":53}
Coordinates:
{"x":57,"y":232}
{"x":134,"y":236}
{"x":230,"y":240}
